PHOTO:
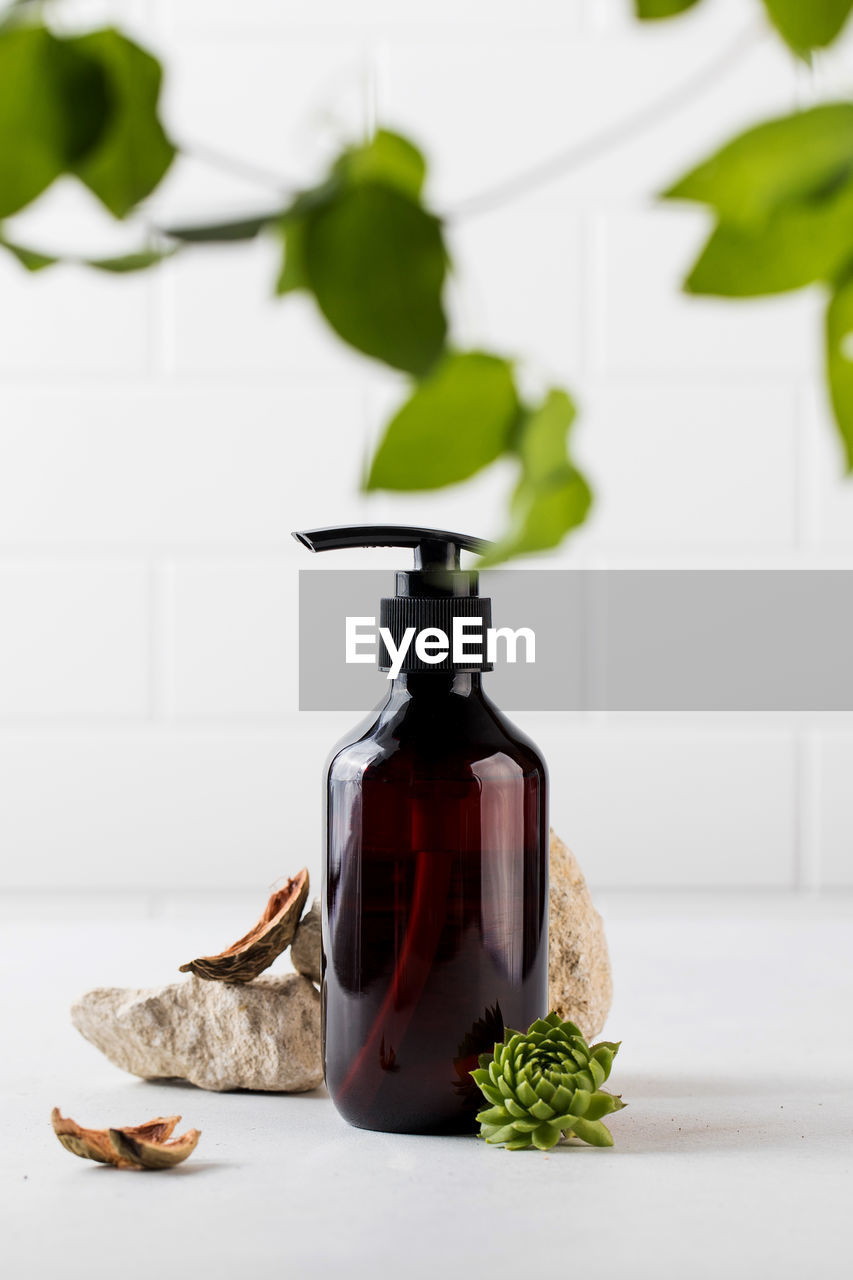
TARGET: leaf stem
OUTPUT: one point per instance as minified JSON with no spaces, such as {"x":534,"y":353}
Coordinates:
{"x":639,"y":122}
{"x":216,"y":159}
{"x":535,"y":176}
{"x":554,"y":167}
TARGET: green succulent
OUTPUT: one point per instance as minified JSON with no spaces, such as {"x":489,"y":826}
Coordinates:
{"x":544,"y":1085}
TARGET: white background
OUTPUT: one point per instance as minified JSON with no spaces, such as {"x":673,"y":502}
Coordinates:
{"x":160,"y":436}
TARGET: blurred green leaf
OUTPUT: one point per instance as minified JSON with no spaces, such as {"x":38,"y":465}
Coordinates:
{"x":86,"y":99}
{"x":552,"y":497}
{"x":808,"y":24}
{"x":130,"y":262}
{"x":542,"y":436}
{"x":134,"y":153}
{"x":86,"y":105}
{"x":799,"y":244}
{"x":35,"y":260}
{"x":224,"y":232}
{"x":14,"y":12}
{"x":662,"y":8}
{"x":387,"y":158}
{"x":839,"y":362}
{"x":541,"y":515}
{"x":374,"y":258}
{"x":313,"y":198}
{"x":764,"y":168}
{"x":376,"y":263}
{"x":29,"y":258}
{"x":54,"y":101}
{"x":293,"y":275}
{"x":784,"y":195}
{"x":457,"y":421}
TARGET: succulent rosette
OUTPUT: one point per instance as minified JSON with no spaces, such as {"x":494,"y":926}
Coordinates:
{"x":545,"y":1084}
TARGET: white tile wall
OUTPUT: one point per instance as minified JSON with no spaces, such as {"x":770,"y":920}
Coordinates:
{"x":718,"y":466}
{"x":828,"y":509}
{"x":526,"y":301}
{"x":74,"y":640}
{"x":232,"y":647}
{"x":656,"y":807}
{"x":224,"y":321}
{"x":272,"y":15}
{"x":161,"y":436}
{"x":72,"y":323}
{"x":165,"y":466}
{"x":159,"y":808}
{"x":834,"y":802}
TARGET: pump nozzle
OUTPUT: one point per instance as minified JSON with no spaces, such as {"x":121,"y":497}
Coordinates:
{"x":430,"y":595}
{"x":433,"y":548}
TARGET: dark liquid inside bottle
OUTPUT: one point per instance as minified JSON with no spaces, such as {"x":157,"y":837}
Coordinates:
{"x":435,"y":910}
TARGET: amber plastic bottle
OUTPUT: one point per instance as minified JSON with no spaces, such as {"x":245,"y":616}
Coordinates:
{"x":436,"y":887}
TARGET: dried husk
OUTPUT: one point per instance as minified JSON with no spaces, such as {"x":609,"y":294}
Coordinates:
{"x":251,"y":954}
{"x":147,"y":1147}
{"x":143,"y":1146}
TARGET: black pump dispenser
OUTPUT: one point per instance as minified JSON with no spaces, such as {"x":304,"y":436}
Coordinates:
{"x":429,"y":595}
{"x":435,"y":888}
{"x":434,"y":548}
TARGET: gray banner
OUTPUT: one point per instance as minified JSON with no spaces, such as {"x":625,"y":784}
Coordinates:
{"x":713,"y":640}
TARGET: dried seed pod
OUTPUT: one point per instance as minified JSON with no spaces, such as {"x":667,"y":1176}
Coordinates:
{"x":148,"y":1147}
{"x":143,"y":1146}
{"x":251,"y":954}
{"x":89,"y":1144}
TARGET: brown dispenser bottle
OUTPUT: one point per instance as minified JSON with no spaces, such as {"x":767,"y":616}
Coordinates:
{"x":435,"y":903}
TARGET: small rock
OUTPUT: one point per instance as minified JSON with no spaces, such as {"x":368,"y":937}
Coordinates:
{"x":263,"y":1034}
{"x":580,"y":982}
{"x":305,"y":950}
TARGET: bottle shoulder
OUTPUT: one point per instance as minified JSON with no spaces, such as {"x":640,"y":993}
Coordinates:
{"x":356,"y":748}
{"x":524,"y":746}
{"x":458,"y":738}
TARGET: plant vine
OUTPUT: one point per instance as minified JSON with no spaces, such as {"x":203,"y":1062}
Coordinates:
{"x":366,"y":245}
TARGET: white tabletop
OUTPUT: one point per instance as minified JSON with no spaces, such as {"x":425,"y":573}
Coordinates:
{"x":734,"y":1158}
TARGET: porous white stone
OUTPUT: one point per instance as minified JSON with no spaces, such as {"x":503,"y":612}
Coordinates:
{"x":305,"y":950}
{"x":263,"y":1034}
{"x":579,"y":977}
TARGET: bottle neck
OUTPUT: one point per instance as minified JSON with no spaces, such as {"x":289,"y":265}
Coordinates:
{"x":432,"y":685}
